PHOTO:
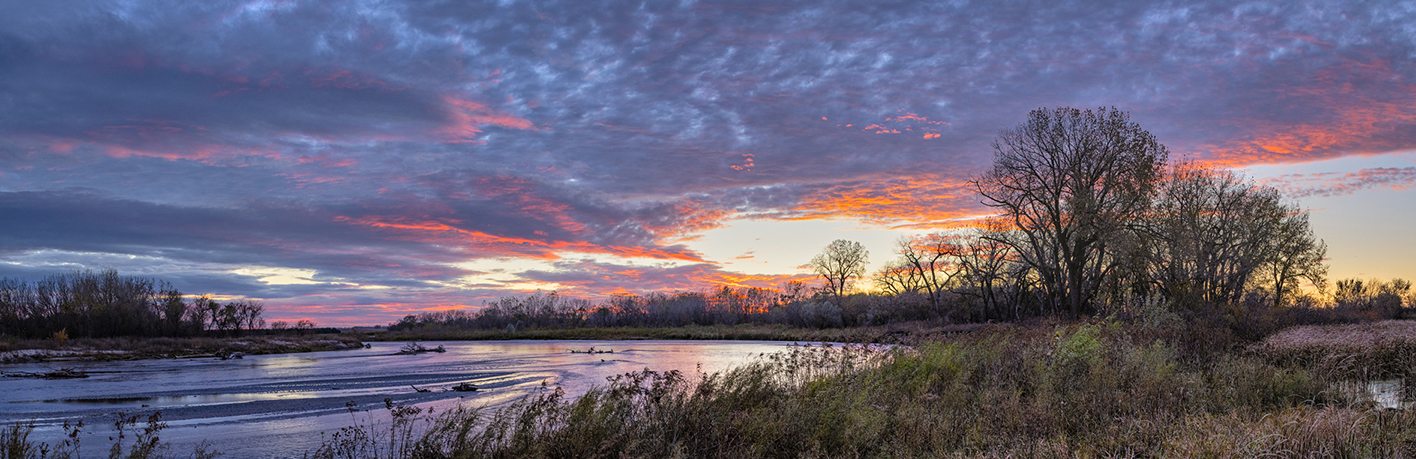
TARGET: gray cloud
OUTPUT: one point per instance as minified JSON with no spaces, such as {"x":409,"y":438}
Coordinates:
{"x":320,"y":136}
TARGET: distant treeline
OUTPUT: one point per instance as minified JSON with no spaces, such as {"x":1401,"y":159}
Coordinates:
{"x":1354,"y":301}
{"x":105,"y":304}
{"x":793,"y":306}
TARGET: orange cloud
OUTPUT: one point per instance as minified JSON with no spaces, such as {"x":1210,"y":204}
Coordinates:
{"x":521,"y":194}
{"x":467,"y":118}
{"x":1356,"y":119}
{"x":914,"y":202}
{"x":589,"y":279}
{"x":688,"y":218}
{"x":439,"y":232}
{"x":746,"y":165}
{"x":904,"y":122}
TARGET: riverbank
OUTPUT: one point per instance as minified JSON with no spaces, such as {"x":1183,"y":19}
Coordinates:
{"x":899,"y":333}
{"x":1095,"y":388}
{"x":1091,"y":389}
{"x":136,"y":348}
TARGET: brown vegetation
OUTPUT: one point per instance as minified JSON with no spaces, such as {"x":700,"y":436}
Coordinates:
{"x":1365,"y":351}
{"x":1098,"y":389}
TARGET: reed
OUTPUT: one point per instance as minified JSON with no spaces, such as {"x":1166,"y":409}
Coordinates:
{"x":1364,"y":351}
{"x":1095,"y":389}
{"x":1071,"y":390}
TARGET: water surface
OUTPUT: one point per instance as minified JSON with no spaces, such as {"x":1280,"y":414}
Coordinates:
{"x":283,"y":405}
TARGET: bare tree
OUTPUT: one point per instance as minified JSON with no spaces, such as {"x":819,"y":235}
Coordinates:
{"x":1213,"y":230}
{"x":304,"y":325}
{"x":249,"y":314}
{"x":1068,"y":181}
{"x":1297,"y":255}
{"x":931,"y":264}
{"x":839,"y":263}
{"x":896,"y":278}
{"x":174,"y":310}
{"x":989,"y":271}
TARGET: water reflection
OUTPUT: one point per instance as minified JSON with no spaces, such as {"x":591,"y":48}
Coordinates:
{"x":1389,"y":394}
{"x":288,"y":402}
{"x":1392,"y":394}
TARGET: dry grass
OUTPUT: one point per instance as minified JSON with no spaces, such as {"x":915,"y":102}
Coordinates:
{"x":1364,"y":352}
{"x":1055,"y":390}
{"x":1079,"y":390}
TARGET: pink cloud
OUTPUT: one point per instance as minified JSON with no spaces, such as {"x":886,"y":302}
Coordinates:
{"x":1328,"y":184}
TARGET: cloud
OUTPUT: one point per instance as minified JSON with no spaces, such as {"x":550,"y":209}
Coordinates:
{"x":588,"y":277}
{"x":376,"y":243}
{"x":1328,"y":184}
{"x":380,"y":143}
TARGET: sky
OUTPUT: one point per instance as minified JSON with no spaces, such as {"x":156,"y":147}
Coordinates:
{"x":355,"y":161}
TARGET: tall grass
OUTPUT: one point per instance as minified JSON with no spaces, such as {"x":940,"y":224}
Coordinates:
{"x":1054,"y":390}
{"x":1365,"y":351}
{"x":1088,"y":390}
{"x":129,"y":441}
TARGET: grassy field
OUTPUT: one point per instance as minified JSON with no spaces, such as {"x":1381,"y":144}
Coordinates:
{"x":1093,"y":389}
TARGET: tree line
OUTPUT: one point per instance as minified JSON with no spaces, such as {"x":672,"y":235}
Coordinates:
{"x":105,"y":304}
{"x":1090,"y":217}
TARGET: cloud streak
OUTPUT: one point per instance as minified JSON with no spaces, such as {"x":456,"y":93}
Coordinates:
{"x":1328,"y":184}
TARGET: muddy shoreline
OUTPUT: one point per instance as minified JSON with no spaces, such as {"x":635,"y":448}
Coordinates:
{"x":109,"y":349}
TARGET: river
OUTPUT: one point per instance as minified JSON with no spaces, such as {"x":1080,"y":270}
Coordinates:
{"x":276,"y":406}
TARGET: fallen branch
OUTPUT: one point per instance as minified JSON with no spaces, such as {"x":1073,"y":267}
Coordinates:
{"x":62,"y":373}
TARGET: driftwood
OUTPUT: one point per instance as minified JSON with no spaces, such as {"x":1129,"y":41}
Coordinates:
{"x":464,"y":387}
{"x":419,"y":390}
{"x":591,"y":351}
{"x":62,"y":373}
{"x":415,"y":348}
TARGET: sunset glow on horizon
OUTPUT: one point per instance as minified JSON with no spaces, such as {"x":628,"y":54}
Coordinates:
{"x":354,"y":162}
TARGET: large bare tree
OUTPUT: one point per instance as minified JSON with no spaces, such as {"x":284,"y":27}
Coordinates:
{"x":1069,"y":181}
{"x":1213,"y":230}
{"x":839,"y":263}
